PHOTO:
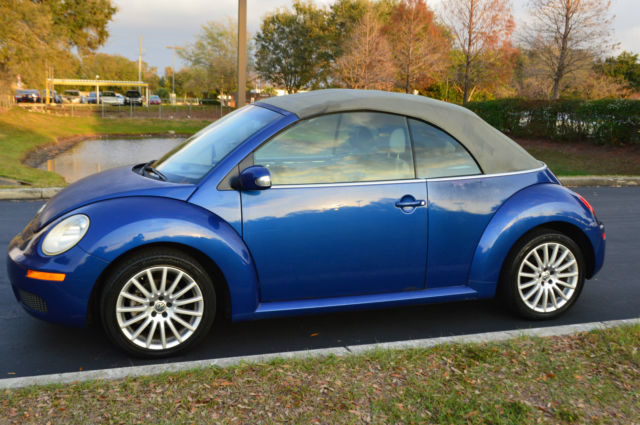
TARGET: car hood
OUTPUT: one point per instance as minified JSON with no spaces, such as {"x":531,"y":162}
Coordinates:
{"x":114,"y":183}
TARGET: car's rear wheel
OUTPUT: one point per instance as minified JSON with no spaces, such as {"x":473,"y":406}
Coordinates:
{"x":544,"y":275}
{"x":158,"y":302}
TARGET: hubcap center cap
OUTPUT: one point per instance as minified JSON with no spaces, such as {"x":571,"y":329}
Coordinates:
{"x":546,"y":275}
{"x":160,"y":306}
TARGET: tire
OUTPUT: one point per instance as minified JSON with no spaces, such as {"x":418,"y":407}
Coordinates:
{"x":159,"y":316}
{"x":543,"y":275}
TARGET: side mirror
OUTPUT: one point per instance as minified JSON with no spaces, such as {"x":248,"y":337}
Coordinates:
{"x":255,"y":177}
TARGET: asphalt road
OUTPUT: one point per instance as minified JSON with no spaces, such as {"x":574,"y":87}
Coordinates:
{"x":32,"y":347}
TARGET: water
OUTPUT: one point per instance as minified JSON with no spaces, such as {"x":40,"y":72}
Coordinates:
{"x":93,"y":156}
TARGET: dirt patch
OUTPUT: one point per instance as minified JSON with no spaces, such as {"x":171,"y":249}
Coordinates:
{"x":43,"y":153}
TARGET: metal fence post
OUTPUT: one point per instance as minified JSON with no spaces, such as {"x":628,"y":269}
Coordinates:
{"x":102,"y":109}
{"x":131,"y":110}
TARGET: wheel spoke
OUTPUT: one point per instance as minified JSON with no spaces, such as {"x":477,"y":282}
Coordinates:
{"x":565,"y":284}
{"x":554,"y":254}
{"x":183,"y":323}
{"x":545,"y":251}
{"x":131,"y":309}
{"x":531,"y":293}
{"x":559,"y":292}
{"x":528,"y":263}
{"x":565,"y":266}
{"x":141,"y":288}
{"x":188,"y":312}
{"x":175,"y":283}
{"x":545,"y":298}
{"x":537,"y":299}
{"x":134,"y":298}
{"x":133,"y":320}
{"x":141,"y":328}
{"x":163,"y":336}
{"x":154,"y":325}
{"x":529,"y":284}
{"x":184,"y":290}
{"x":174,"y":330}
{"x":152,"y":283}
{"x":553,"y":297}
{"x":565,"y":275}
{"x":533,"y":275}
{"x":187,"y":301}
{"x":163,"y":282}
{"x":561,"y":259}
{"x":538,"y":259}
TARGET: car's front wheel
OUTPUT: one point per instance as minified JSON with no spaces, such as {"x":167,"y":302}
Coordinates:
{"x":544,"y":275}
{"x":157,"y":303}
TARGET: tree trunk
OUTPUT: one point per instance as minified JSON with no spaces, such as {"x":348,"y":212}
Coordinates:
{"x":467,"y":71}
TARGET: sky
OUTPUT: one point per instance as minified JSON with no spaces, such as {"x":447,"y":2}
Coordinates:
{"x":163,"y":23}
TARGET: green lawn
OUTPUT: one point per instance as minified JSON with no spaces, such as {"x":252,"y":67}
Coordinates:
{"x":22,"y":132}
{"x":586,"y":378}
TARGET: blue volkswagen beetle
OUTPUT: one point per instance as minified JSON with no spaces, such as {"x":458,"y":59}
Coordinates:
{"x":314,"y":202}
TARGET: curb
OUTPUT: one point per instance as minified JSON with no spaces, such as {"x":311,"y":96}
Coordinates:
{"x":39,"y":193}
{"x":613,"y":181}
{"x":134,"y":371}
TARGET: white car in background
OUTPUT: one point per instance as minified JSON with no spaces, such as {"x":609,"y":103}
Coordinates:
{"x":111,"y":98}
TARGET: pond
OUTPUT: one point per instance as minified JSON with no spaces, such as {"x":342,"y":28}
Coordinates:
{"x":92,"y":156}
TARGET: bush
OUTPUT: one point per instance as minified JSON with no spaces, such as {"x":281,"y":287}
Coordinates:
{"x":606,"y":121}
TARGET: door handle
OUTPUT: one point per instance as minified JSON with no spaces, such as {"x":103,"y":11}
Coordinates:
{"x":411,"y":204}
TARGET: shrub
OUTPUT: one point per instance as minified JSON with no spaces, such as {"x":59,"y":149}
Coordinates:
{"x":606,"y":121}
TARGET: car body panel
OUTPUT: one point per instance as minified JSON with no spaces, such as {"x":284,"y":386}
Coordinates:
{"x":531,"y":207}
{"x":459,"y":210}
{"x":336,"y":240}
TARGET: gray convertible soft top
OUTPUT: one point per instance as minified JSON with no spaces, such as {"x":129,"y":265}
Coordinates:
{"x":495,"y":152}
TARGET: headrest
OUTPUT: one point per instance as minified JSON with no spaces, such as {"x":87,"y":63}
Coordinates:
{"x":398,"y":141}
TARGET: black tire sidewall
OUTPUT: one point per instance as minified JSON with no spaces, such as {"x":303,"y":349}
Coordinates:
{"x":510,"y":275}
{"x":132,"y":265}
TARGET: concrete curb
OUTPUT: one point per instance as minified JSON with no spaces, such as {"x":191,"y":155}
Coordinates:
{"x":38,"y":193}
{"x":28,"y":193}
{"x":133,"y":371}
{"x":613,"y":181}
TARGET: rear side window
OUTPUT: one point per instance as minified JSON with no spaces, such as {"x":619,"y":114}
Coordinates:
{"x":438,"y":154}
{"x":340,"y":148}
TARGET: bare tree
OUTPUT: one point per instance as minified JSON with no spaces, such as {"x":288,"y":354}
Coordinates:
{"x":366,"y":62}
{"x":479,"y":27}
{"x":566,"y":35}
{"x":420,"y":50}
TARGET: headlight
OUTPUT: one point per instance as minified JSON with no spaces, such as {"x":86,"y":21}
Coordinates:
{"x":65,"y":234}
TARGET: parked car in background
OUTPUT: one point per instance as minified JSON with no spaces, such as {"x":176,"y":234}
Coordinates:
{"x":109,"y":98}
{"x":154,"y":99}
{"x":120,"y":99}
{"x":54,"y":97}
{"x":17,"y":95}
{"x":30,"y":96}
{"x":133,"y":97}
{"x":92,"y":98}
{"x":315,"y":202}
{"x":72,"y":96}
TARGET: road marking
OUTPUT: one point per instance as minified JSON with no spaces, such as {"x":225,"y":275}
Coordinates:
{"x":133,"y":371}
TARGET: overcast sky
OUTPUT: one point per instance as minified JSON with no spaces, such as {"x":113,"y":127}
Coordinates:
{"x":163,"y":23}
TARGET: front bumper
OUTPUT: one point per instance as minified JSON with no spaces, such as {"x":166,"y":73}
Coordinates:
{"x":63,"y":302}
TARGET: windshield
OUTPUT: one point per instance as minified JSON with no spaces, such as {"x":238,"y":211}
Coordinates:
{"x":193,"y":159}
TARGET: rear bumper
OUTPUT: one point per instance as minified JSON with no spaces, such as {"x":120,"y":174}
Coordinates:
{"x":63,"y":302}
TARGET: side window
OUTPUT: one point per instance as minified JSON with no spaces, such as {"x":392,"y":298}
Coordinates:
{"x":438,"y":154}
{"x":340,"y":148}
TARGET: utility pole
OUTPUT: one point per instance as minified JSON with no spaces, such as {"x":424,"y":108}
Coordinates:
{"x":173,"y":72}
{"x":242,"y":53}
{"x":140,"y":62}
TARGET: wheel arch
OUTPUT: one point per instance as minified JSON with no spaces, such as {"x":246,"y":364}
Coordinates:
{"x":221,"y":285}
{"x":539,"y":206}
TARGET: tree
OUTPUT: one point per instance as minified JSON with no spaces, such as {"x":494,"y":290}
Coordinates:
{"x":292,"y":47}
{"x":420,"y":50}
{"x":214,"y":55}
{"x":481,"y":28}
{"x":35,"y":35}
{"x":367,"y":62}
{"x":566,"y":35}
{"x":625,"y":67}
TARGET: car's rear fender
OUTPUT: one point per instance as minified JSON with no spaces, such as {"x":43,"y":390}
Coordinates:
{"x":120,"y":226}
{"x":550,"y":205}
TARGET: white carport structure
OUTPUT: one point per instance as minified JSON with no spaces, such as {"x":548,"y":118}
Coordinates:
{"x":52,"y":82}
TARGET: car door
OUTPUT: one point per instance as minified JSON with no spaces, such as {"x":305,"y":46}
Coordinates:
{"x":345,"y":215}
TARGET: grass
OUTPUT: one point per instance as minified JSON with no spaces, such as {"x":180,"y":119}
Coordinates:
{"x":22,"y":132}
{"x":576,"y":159}
{"x":585,"y":378}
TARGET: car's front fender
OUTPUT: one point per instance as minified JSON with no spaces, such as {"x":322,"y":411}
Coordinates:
{"x":121,"y":225}
{"x":529,"y":208}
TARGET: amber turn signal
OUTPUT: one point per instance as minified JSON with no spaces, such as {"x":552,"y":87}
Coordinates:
{"x":56,"y":277}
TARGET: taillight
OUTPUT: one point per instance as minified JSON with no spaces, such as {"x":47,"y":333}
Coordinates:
{"x":587,"y":204}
